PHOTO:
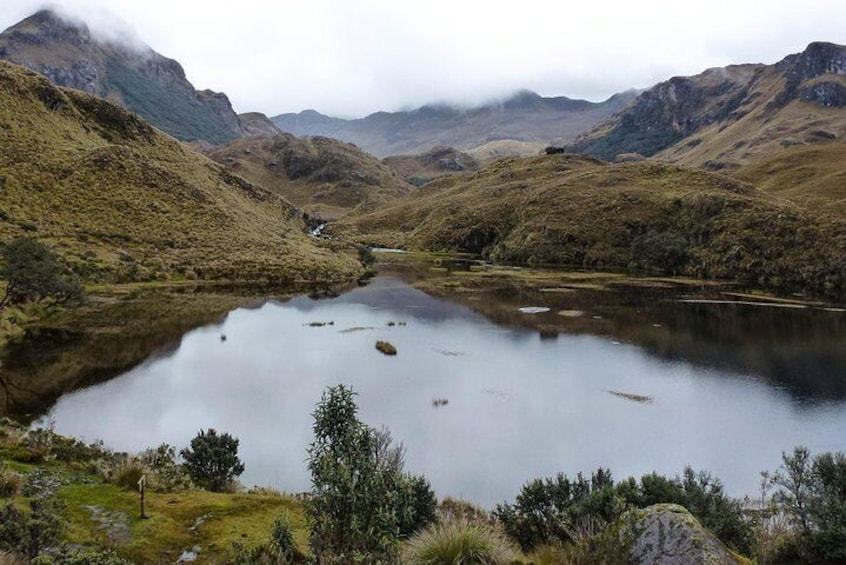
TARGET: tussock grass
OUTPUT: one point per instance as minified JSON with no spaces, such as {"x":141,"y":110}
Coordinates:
{"x":122,"y":202}
{"x":459,"y":543}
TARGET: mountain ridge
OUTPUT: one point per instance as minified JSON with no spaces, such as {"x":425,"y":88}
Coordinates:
{"x":523,"y":117}
{"x":136,"y":77}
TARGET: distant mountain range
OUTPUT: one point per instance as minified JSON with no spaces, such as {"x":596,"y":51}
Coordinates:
{"x":137,"y":77}
{"x":526,"y":120}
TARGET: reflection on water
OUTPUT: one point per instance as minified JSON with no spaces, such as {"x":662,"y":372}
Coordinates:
{"x":528,"y":394}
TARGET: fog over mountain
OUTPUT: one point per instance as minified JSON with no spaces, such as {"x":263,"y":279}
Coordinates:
{"x":352,"y":58}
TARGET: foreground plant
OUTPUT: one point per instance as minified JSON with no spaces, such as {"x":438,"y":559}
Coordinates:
{"x":362,"y":502}
{"x":212,"y":460}
{"x":459,"y":543}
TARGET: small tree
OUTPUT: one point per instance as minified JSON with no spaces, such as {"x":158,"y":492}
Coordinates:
{"x":33,"y":273}
{"x":212,"y":460}
{"x":362,"y":502}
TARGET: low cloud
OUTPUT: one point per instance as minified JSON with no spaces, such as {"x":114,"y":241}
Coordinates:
{"x":352,"y":58}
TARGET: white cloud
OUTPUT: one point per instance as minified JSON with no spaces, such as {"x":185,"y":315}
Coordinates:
{"x":352,"y":57}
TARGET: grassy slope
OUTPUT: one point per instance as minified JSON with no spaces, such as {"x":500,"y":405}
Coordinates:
{"x":120,"y":200}
{"x":574,"y":210}
{"x":219,"y":520}
{"x":435,"y":163}
{"x":324,"y":176}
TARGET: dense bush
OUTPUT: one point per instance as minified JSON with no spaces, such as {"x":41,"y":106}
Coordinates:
{"x":660,"y":251}
{"x":33,"y":273}
{"x":361,"y":501}
{"x":29,"y":532}
{"x":564,"y":511}
{"x":212,"y":460}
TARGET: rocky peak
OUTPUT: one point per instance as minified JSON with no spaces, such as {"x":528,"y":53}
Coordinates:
{"x":46,"y":26}
{"x":819,"y":58}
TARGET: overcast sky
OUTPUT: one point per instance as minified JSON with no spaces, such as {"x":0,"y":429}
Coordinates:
{"x":353,"y":57}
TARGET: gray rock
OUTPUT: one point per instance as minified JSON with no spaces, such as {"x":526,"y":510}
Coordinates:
{"x":667,"y":534}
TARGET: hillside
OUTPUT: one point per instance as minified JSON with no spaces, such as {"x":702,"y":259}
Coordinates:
{"x":323,"y":176}
{"x":119,"y":200}
{"x":565,"y":209}
{"x":256,"y":123}
{"x":727,"y":118}
{"x":135,"y":77}
{"x":525,"y":117}
{"x":434,"y":163}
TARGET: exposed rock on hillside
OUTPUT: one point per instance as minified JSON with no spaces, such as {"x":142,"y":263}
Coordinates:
{"x":524,"y":118}
{"x":133,"y":76}
{"x":434,"y":163}
{"x":324,"y":176}
{"x":667,"y":534}
{"x":122,"y":201}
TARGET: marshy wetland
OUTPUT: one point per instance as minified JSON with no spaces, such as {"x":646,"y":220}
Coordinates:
{"x":500,"y":375}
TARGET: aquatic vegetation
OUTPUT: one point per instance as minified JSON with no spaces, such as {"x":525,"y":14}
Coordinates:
{"x":386,"y":347}
{"x":633,"y":397}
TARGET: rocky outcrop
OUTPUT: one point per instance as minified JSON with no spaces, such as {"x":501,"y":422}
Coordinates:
{"x":828,"y":94}
{"x":667,"y":534}
{"x":133,"y":75}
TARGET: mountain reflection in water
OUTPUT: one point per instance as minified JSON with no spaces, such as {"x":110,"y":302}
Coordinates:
{"x":731,"y":386}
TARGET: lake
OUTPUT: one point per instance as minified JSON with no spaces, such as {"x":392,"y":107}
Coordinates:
{"x":635,"y":378}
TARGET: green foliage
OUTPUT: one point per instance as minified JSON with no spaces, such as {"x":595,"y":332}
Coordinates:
{"x":554,"y":510}
{"x":280,"y":549}
{"x":28,"y":532}
{"x":812,"y":491}
{"x":459,"y":542}
{"x":212,"y":460}
{"x":562,"y":511}
{"x":660,"y":251}
{"x":33,"y":273}
{"x":167,"y":474}
{"x":76,"y":557}
{"x":10,"y":482}
{"x":361,"y":501}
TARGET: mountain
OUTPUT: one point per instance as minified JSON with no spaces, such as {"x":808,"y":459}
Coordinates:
{"x":727,"y":118}
{"x":134,"y":76}
{"x":578,"y":211}
{"x":524,"y":117}
{"x":121,"y":201}
{"x":324,"y":176}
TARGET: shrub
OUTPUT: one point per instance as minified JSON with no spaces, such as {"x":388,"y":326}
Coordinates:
{"x":10,"y":483}
{"x":459,"y":542}
{"x":212,"y":460}
{"x":28,"y":532}
{"x":812,"y":491}
{"x":664,"y":252}
{"x":361,"y":500}
{"x":127,"y":473}
{"x":555,"y":510}
{"x":33,"y":273}
{"x":167,"y":474}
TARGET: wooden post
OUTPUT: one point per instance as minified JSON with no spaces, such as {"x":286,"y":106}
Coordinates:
{"x":142,"y":484}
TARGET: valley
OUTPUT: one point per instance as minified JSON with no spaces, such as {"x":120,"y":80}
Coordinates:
{"x":527,"y":286}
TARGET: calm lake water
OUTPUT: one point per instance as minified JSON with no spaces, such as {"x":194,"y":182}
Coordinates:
{"x":731,"y":386}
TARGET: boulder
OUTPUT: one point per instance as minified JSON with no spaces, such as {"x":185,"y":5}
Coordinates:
{"x":667,"y":534}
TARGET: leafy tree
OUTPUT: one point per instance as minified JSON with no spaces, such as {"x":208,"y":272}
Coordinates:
{"x":813,"y":493}
{"x":33,"y":273}
{"x":361,"y":501}
{"x":212,"y":460}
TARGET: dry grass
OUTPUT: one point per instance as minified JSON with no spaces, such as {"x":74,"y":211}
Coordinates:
{"x":121,"y":201}
{"x":570,"y":210}
{"x":323,"y":176}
